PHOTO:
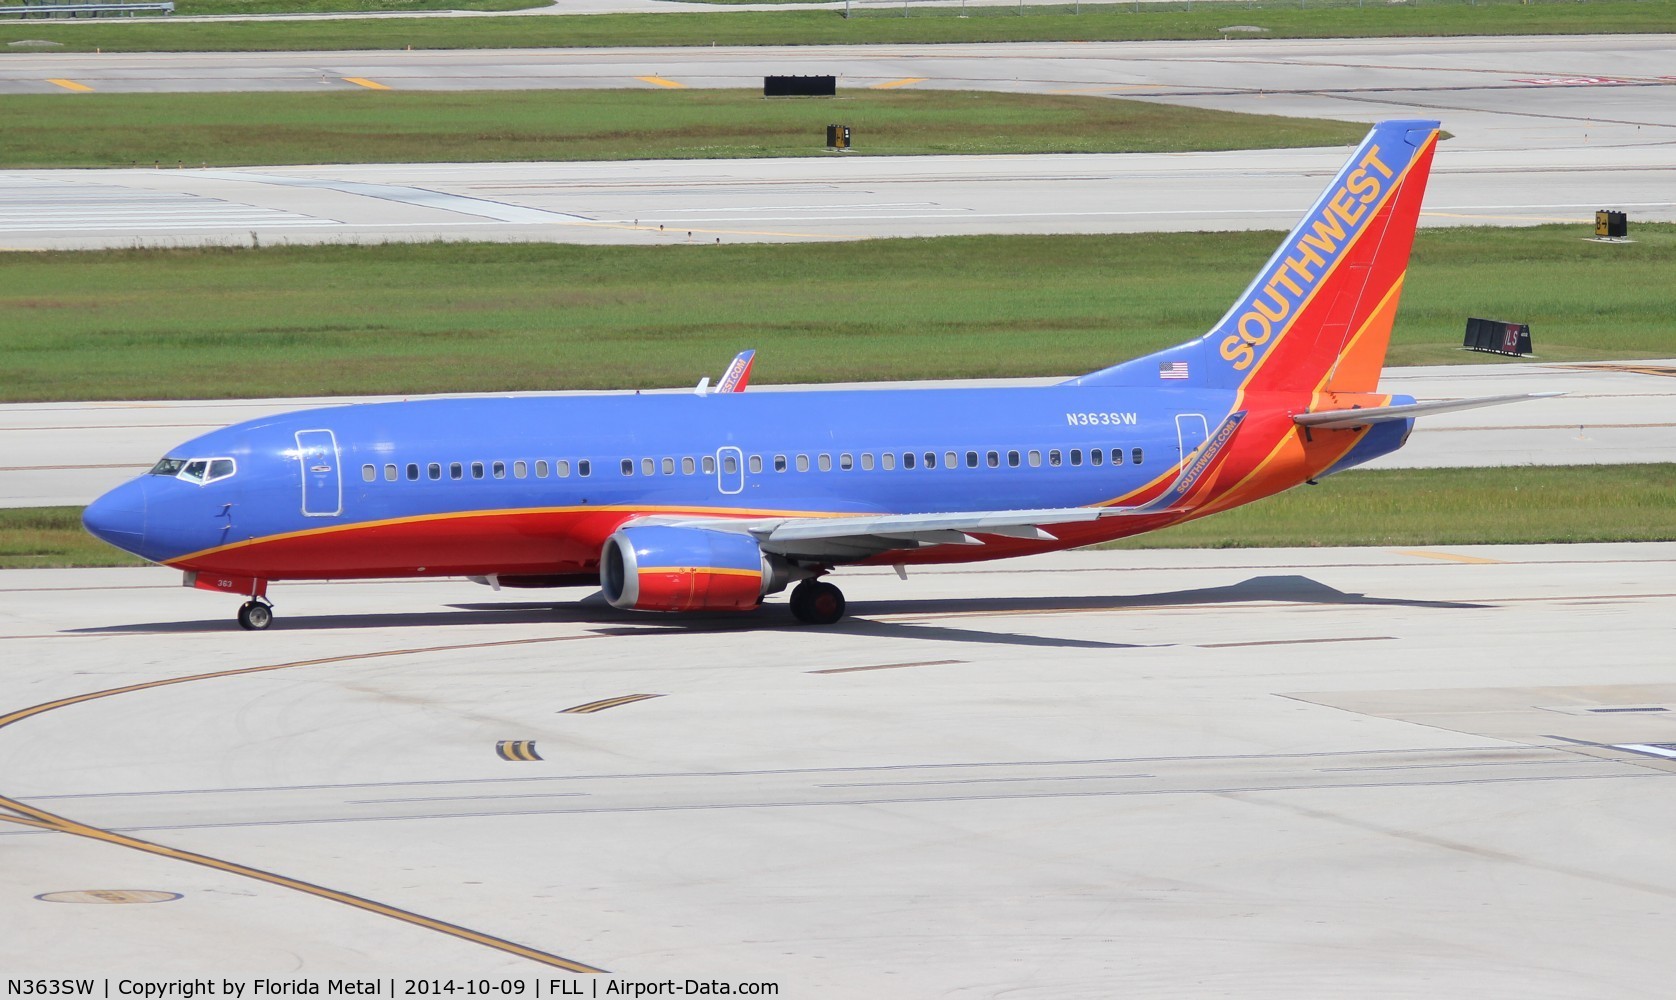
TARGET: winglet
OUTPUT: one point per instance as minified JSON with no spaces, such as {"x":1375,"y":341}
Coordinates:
{"x":738,"y":374}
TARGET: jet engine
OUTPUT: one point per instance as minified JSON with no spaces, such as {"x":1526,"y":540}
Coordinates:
{"x":667,"y":568}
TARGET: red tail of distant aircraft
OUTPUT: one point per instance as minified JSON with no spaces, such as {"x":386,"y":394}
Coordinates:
{"x":716,"y":500}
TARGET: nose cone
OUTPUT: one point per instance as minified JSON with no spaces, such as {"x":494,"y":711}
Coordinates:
{"x":119,"y":516}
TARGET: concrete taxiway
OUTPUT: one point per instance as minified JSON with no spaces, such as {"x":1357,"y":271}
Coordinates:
{"x":1545,"y":129}
{"x":1613,"y":413}
{"x":1439,"y":772}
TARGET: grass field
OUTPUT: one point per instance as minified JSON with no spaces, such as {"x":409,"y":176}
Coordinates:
{"x":101,"y":130}
{"x":1606,"y":503}
{"x":824,"y":27}
{"x":416,"y":318}
{"x":1592,"y":503}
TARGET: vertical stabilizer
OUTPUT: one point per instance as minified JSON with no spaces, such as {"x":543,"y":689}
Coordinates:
{"x":1318,"y":315}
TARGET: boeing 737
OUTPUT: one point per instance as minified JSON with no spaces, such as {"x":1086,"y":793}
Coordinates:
{"x":714,"y":500}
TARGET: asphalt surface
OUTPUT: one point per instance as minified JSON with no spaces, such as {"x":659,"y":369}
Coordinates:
{"x":1250,"y":774}
{"x":1545,"y":130}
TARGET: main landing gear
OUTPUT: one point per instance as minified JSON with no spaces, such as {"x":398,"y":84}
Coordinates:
{"x":814,"y":602}
{"x":255,"y":615}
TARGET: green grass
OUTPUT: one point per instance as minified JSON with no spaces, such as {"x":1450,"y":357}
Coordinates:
{"x":40,"y":537}
{"x":100,"y":130}
{"x":1602,"y":503}
{"x":1520,"y":505}
{"x":416,"y":318}
{"x":822,"y":27}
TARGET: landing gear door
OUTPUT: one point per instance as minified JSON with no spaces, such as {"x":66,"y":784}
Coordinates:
{"x":1191,"y":432}
{"x":322,"y":479}
{"x":730,"y":469}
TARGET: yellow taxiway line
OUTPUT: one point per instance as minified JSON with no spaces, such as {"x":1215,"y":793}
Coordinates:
{"x":28,"y":815}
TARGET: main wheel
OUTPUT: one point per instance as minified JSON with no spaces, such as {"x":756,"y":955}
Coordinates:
{"x":816,"y":603}
{"x":254,"y":616}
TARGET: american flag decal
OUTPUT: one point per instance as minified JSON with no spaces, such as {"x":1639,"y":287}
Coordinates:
{"x":1172,"y":369}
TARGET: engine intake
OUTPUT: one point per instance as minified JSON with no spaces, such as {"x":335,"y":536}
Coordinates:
{"x":664,"y":568}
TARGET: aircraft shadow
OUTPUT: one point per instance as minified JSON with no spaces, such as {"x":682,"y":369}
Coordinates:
{"x":864,"y":616}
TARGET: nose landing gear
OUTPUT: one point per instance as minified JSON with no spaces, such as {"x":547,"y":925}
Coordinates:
{"x":815,"y":602}
{"x":256,"y":615}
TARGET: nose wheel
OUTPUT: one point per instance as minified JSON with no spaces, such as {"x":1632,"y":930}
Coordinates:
{"x":814,"y":602}
{"x":254,"y":616}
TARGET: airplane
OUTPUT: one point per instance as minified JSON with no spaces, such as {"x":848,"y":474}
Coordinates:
{"x":715,"y":500}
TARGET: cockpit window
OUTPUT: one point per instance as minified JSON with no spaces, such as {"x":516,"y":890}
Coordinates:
{"x":196,"y":470}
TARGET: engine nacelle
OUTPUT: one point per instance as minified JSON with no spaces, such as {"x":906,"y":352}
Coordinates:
{"x":666,"y":568}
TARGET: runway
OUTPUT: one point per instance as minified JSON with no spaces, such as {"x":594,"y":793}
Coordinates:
{"x":1253,"y":774}
{"x":1545,"y":130}
{"x":69,"y":453}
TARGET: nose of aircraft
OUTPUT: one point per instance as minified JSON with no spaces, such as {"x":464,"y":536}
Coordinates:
{"x":119,"y":516}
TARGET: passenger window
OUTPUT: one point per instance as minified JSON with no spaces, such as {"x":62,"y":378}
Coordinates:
{"x":846,"y":462}
{"x":803,"y":463}
{"x":708,"y":464}
{"x":688,"y":466}
{"x":412,"y":471}
{"x":826,"y":462}
{"x":1035,"y":459}
{"x":434,"y":470}
{"x":541,"y":469}
{"x":1076,"y":456}
{"x":971,"y":460}
{"x":648,"y":466}
{"x":887,"y":460}
{"x":867,"y":461}
{"x":628,"y":466}
{"x":730,"y":464}
{"x":584,"y":468}
{"x":1117,"y":456}
{"x":930,"y":460}
{"x":993,"y":459}
{"x":669,"y":467}
{"x":561,"y":469}
{"x":907,"y":460}
{"x":1135,"y":456}
{"x":389,"y":473}
{"x":498,"y":470}
{"x":369,"y":473}
{"x":1054,"y":458}
{"x":1095,"y":456}
{"x":520,"y":469}
{"x":756,"y":463}
{"x":951,"y":460}
{"x":456,"y":471}
{"x":779,"y":463}
{"x":477,"y":470}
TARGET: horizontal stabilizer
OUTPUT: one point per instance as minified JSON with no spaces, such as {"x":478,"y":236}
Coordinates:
{"x":1334,"y":419}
